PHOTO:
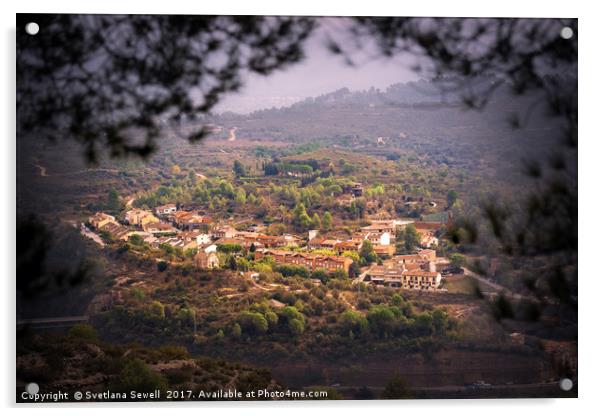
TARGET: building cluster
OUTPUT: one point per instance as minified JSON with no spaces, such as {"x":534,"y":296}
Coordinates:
{"x":189,"y":230}
{"x":181,"y":229}
{"x":380,"y":233}
{"x":426,"y":231}
{"x":108,"y":224}
{"x":186,"y":230}
{"x":229,"y":235}
{"x":311,"y":261}
{"x":411,"y":271}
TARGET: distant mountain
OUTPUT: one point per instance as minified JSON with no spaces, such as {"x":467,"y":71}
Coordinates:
{"x":427,"y":117}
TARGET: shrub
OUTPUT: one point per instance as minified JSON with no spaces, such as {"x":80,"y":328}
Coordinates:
{"x":382,"y":319}
{"x":137,"y":293}
{"x":294,"y":320}
{"x":253,"y":322}
{"x":83,"y":332}
{"x":288,"y":270}
{"x":138,"y":376}
{"x":296,"y":327}
{"x":236,"y":331}
{"x":353,"y":321}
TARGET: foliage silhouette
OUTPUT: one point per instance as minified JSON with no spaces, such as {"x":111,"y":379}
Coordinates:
{"x":114,"y":82}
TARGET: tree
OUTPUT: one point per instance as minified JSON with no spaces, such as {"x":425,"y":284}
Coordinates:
{"x":296,"y":327}
{"x":351,"y":321}
{"x":300,"y":218}
{"x":157,"y":309}
{"x":315,"y":221}
{"x":382,"y":319}
{"x":232,"y":264}
{"x":367,"y":253}
{"x":175,"y":170}
{"x":138,"y":376}
{"x":253,"y":322}
{"x":452,"y":196}
{"x":327,"y":221}
{"x":396,"y":388}
{"x":236,"y":331}
{"x":320,"y":274}
{"x":411,"y":238}
{"x":353,"y":255}
{"x":293,"y":319}
{"x":190,"y":252}
{"x":241,"y":197}
{"x":243,"y":264}
{"x":229,"y":248}
{"x":354,"y":269}
{"x":239,"y":169}
{"x":457,"y":259}
{"x":288,"y":270}
{"x":439,"y":320}
{"x":423,"y":324}
{"x":136,"y":240}
{"x":113,"y":200}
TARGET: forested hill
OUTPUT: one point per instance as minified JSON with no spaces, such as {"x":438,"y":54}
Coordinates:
{"x":415,"y":109}
{"x":413,"y":116}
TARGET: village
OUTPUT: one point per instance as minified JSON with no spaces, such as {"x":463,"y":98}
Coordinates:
{"x":332,"y":252}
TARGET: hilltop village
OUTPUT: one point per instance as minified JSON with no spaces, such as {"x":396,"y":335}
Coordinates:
{"x":367,"y":254}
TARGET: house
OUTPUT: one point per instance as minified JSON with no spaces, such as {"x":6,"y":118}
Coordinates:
{"x":421,"y":258}
{"x":310,"y":261}
{"x":381,"y":227}
{"x":140,"y":217}
{"x":247,"y":235}
{"x":195,"y":235}
{"x":156,"y":228}
{"x":224,"y":231}
{"x":207,"y":248}
{"x":428,"y":240}
{"x":428,"y":254}
{"x":175,"y":242}
{"x":383,"y":239}
{"x":116,"y":230}
{"x":268,"y":240}
{"x":190,"y":220}
{"x":384,"y":251}
{"x":315,"y":242}
{"x":166,"y":210}
{"x":100,"y":219}
{"x":258,"y":239}
{"x":427,"y":227}
{"x":311,"y":234}
{"x":258,"y":228}
{"x":356,"y":189}
{"x":289,"y":240}
{"x":205,"y":260}
{"x":400,"y":277}
{"x":349,"y":245}
{"x":323,"y":242}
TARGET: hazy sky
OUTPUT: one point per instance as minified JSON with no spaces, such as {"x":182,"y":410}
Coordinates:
{"x":320,"y":72}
